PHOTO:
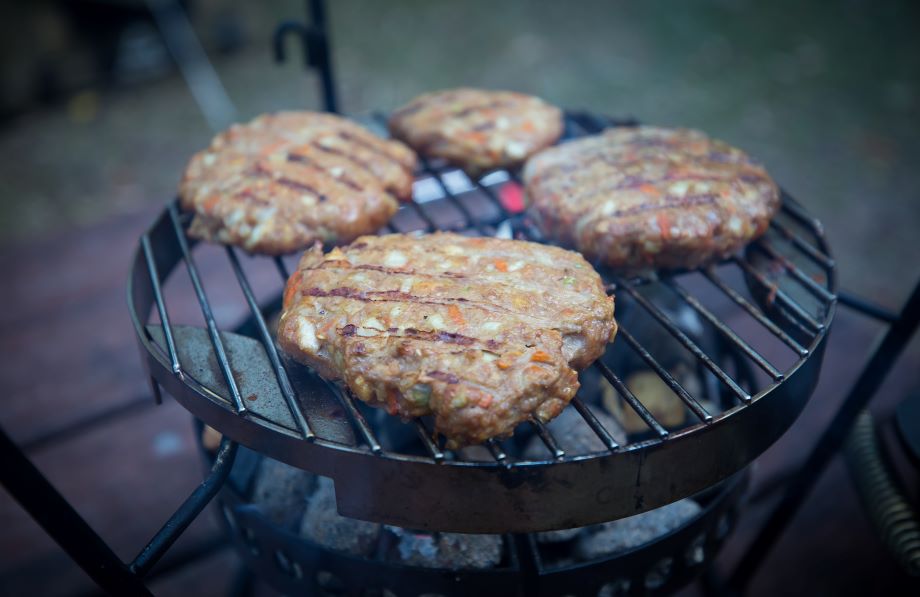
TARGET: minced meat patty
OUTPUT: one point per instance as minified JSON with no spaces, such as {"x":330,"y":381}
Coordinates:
{"x":646,"y":197}
{"x":481,"y":333}
{"x":476,"y":129}
{"x":286,"y":180}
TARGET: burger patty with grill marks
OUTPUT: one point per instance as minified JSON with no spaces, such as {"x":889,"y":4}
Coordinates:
{"x":475,"y":129}
{"x":286,"y":180}
{"x":481,"y":333}
{"x":647,"y":197}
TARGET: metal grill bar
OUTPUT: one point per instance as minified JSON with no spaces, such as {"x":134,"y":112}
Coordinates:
{"x":471,"y":220}
{"x":429,"y":444}
{"x":726,"y":331}
{"x":348,"y":401}
{"x":547,"y":438}
{"x":161,"y":305}
{"x":219,"y":351}
{"x":284,"y":384}
{"x":686,"y":341}
{"x":497,"y":453}
{"x":784,"y":299}
{"x":631,"y":399}
{"x":791,"y":207}
{"x":282,"y":269}
{"x":814,"y":254}
{"x":594,"y":424}
{"x":666,"y":377}
{"x":805,"y":280}
{"x":754,"y":312}
{"x":490,"y":194}
{"x":420,"y":211}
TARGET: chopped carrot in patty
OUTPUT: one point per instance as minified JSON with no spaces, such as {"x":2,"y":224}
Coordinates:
{"x":456,"y":316}
{"x":541,"y":357}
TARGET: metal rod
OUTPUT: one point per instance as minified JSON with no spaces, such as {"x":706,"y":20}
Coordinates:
{"x":547,"y":438}
{"x":594,"y":424}
{"x":791,"y":207}
{"x":63,"y":524}
{"x":630,"y":398}
{"x":800,"y":276}
{"x":282,"y":269}
{"x":471,"y":220}
{"x":430,"y":226}
{"x":866,"y":307}
{"x":665,"y":376}
{"x":284,"y":384}
{"x":348,"y":401}
{"x":781,"y":297}
{"x":218,"y":344}
{"x":497,"y":453}
{"x":322,"y":61}
{"x":197,"y":71}
{"x":813,"y":253}
{"x":754,"y":312}
{"x":686,"y":341}
{"x":490,"y":193}
{"x":314,"y":39}
{"x":726,"y":331}
{"x":161,"y":305}
{"x":528,"y":562}
{"x":188,"y":511}
{"x":429,"y":444}
{"x":873,"y":374}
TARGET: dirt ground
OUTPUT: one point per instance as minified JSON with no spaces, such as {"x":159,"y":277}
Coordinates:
{"x":827,"y":95}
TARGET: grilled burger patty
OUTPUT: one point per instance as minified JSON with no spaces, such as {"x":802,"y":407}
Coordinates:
{"x":641,"y":197}
{"x":481,"y":333}
{"x":286,"y":180}
{"x":477,"y":130}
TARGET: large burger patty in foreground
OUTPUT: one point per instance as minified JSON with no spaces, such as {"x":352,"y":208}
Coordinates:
{"x":286,"y":180}
{"x":646,"y":197}
{"x":481,"y":333}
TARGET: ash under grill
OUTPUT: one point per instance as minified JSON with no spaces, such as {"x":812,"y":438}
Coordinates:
{"x":241,"y":386}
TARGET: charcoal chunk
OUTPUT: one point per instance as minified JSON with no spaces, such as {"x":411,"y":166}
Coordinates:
{"x":280,"y":492}
{"x":447,"y":550}
{"x":620,"y":535}
{"x":323,"y":524}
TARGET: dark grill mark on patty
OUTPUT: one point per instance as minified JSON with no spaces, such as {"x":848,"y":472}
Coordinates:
{"x":347,"y":156}
{"x":445,"y":377}
{"x":673,"y":203}
{"x":299,"y":158}
{"x":370,"y":147}
{"x":487,"y":106}
{"x":387,"y":270}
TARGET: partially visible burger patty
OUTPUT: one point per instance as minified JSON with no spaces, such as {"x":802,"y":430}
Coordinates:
{"x":475,"y":129}
{"x":286,"y":180}
{"x":481,"y":333}
{"x":634,"y":198}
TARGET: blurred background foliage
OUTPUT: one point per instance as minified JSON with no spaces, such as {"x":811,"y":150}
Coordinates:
{"x":96,"y":119}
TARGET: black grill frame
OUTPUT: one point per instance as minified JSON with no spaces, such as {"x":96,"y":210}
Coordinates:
{"x":505,"y":481}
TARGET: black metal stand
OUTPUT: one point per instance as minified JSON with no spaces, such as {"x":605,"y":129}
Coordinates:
{"x":65,"y":525}
{"x":899,"y":333}
{"x":52,"y":511}
{"x":315,"y":42}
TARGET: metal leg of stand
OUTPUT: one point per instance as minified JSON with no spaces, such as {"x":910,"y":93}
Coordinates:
{"x":58,"y":518}
{"x":830,"y":442}
{"x":315,"y":41}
